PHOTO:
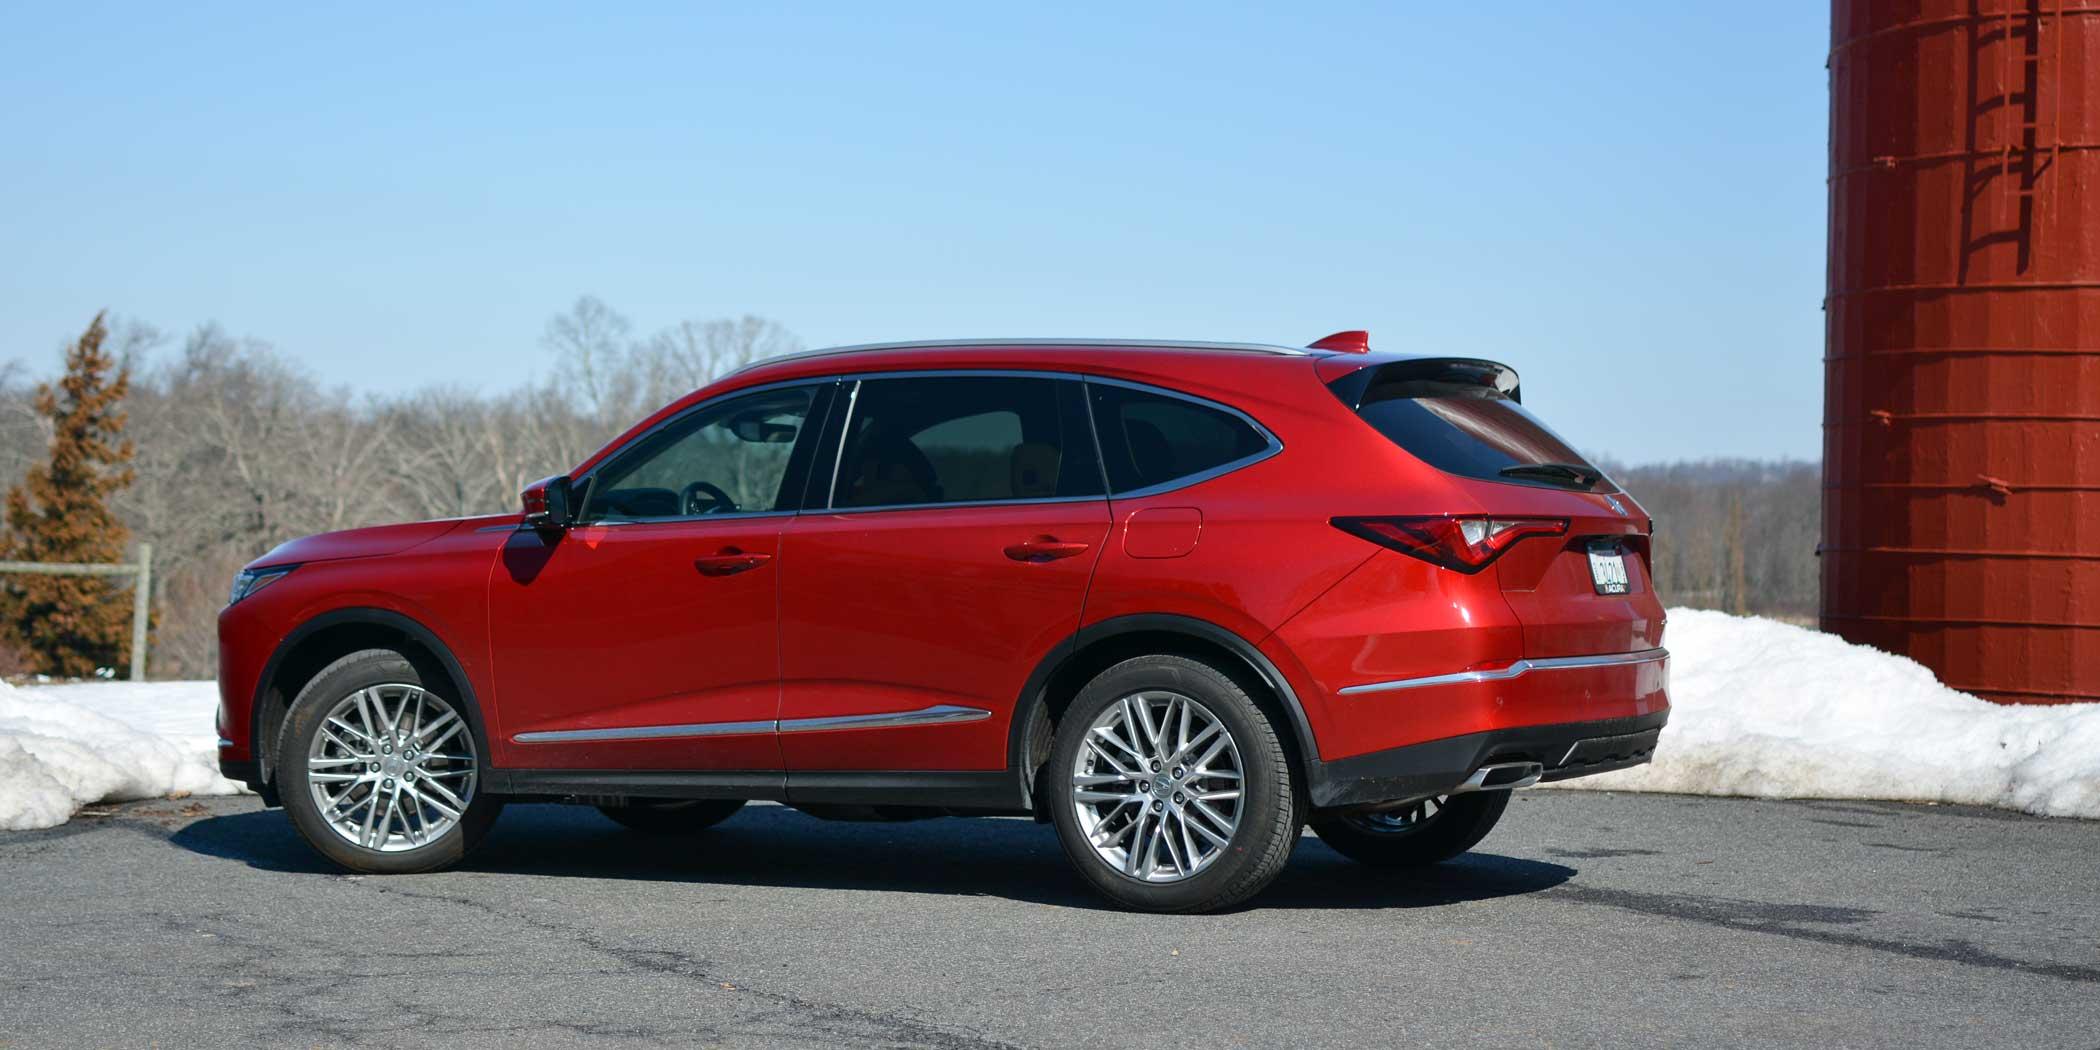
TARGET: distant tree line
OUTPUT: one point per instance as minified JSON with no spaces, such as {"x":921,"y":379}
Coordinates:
{"x":1734,"y":534}
{"x":238,"y":449}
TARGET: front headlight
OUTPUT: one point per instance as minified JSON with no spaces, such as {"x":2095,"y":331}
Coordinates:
{"x":248,"y":581}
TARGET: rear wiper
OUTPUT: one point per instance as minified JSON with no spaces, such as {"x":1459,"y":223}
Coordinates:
{"x":1582,"y":476}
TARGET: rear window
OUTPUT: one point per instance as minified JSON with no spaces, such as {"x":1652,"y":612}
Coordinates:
{"x":1462,"y":417}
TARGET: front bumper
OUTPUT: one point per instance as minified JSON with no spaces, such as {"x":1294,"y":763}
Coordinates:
{"x":1565,"y":749}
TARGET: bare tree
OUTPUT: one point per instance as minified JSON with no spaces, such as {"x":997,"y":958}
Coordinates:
{"x":692,"y":354}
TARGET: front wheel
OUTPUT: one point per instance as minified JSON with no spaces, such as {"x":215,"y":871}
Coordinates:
{"x":1170,"y":789}
{"x":379,"y":770}
{"x":1425,"y":831}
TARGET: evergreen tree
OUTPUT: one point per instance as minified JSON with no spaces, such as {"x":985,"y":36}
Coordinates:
{"x":72,"y":625}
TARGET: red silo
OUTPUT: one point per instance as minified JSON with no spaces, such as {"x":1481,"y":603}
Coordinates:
{"x":1961,"y":435}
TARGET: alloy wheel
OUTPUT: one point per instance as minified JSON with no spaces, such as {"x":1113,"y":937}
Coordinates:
{"x":392,"y":767}
{"x":1157,"y":786}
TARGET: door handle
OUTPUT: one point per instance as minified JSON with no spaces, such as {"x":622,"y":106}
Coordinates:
{"x":1044,"y":548}
{"x":729,"y":562}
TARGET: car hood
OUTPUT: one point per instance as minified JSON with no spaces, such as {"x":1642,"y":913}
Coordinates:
{"x":372,"y":542}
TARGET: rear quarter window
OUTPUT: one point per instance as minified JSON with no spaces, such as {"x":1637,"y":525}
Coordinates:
{"x":1150,"y":440}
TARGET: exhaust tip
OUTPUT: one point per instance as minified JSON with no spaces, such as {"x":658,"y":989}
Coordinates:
{"x":1502,"y":776}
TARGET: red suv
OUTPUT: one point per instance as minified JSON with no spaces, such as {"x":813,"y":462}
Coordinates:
{"x":1176,"y":599}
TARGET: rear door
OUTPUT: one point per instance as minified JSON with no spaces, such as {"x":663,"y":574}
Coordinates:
{"x":949,"y":554}
{"x":1587,"y":593}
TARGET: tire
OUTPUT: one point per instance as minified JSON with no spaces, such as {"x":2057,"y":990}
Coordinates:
{"x":1428,"y":832}
{"x":673,"y":816}
{"x":414,"y":832}
{"x":1200,"y":872}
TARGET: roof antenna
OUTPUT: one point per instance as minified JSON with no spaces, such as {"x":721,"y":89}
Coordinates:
{"x":1351,"y":342}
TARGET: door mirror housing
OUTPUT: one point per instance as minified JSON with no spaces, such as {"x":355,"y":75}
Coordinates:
{"x":547,"y":504}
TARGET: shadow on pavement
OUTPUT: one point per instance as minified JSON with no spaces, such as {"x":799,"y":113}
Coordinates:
{"x":774,"y":846}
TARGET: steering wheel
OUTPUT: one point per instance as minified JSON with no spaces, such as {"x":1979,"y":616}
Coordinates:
{"x":719,"y":501}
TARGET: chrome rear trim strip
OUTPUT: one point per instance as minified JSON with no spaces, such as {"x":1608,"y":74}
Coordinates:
{"x":1515,"y":670}
{"x":935,"y":715}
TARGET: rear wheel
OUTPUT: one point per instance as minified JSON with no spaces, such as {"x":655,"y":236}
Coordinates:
{"x":672,"y":816}
{"x":1425,"y":831}
{"x":379,"y":769}
{"x":1169,"y":787}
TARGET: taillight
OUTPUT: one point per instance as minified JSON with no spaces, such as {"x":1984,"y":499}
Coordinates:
{"x":1463,"y":544}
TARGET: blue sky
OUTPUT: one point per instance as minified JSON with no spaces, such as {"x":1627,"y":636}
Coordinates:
{"x":1624,"y":200}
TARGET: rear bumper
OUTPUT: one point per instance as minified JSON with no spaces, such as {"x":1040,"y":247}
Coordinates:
{"x":1435,"y":767}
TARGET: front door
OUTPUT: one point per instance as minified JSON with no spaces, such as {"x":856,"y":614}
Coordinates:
{"x":644,"y":637}
{"x":953,"y":554}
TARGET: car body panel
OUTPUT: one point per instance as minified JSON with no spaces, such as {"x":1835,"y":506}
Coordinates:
{"x":889,"y":611}
{"x":613,"y":627}
{"x":440,"y":584}
{"x":371,"y":542}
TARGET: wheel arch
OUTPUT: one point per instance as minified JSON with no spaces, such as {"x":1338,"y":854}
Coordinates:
{"x":321,"y":640}
{"x":1094,"y":648}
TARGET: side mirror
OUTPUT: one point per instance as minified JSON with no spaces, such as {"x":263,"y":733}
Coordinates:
{"x":547,"y":504}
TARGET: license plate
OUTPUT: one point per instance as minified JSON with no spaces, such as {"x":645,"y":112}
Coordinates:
{"x":1608,"y":569}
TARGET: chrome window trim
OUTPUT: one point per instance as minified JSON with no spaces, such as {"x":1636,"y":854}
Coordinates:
{"x":1201,"y":476}
{"x":1017,"y":502}
{"x":938,"y":714}
{"x":996,"y":344}
{"x":686,"y":519}
{"x":838,"y":451}
{"x":1515,"y":670}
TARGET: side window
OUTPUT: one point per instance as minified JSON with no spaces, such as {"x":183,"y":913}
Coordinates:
{"x":726,"y":458}
{"x":965,"y":439}
{"x":1150,"y":439}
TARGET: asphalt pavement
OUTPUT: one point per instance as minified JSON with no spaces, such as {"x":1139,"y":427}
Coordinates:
{"x":1586,"y":919}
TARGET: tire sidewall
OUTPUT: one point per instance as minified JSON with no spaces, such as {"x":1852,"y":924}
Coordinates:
{"x":1266,"y":786}
{"x":294,"y":742}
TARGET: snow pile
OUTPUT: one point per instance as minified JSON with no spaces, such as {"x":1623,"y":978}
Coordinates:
{"x":1761,"y":708}
{"x":66,"y":746}
{"x":1766,"y":709}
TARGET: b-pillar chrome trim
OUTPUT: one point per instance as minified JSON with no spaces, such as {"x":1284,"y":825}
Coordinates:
{"x":1515,"y":670}
{"x":939,"y":714}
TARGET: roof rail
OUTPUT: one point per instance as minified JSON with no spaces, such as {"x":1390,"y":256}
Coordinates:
{"x":992,"y":344}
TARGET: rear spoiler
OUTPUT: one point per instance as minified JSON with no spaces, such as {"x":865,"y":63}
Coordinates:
{"x":1353,"y":379}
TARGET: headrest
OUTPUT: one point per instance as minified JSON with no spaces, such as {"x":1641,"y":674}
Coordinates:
{"x":1034,"y":470}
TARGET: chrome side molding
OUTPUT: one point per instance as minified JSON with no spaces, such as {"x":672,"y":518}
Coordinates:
{"x":925,"y":716}
{"x":556,"y":736}
{"x":935,"y":715}
{"x":1515,"y":670}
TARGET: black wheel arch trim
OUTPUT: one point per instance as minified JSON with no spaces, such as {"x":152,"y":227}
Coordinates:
{"x":1032,"y":700}
{"x":367,"y":617}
